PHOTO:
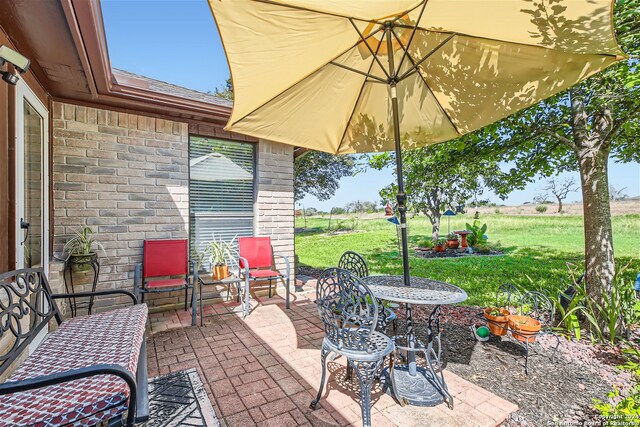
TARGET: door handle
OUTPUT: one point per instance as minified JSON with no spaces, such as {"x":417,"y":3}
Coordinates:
{"x":24,"y":225}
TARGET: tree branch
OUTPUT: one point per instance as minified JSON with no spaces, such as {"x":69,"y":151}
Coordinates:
{"x":619,"y":123}
{"x":553,"y":134}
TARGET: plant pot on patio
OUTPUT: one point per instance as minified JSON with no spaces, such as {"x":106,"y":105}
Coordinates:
{"x":220,"y":272}
{"x":498,"y":320}
{"x":524,"y":328}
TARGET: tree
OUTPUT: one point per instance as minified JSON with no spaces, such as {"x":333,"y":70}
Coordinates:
{"x":579,"y":129}
{"x":225,"y":91}
{"x":438,"y":177}
{"x":617,"y":194}
{"x":319,"y":174}
{"x":561,"y":189}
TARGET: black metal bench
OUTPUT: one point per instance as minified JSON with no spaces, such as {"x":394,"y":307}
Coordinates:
{"x":90,"y":370}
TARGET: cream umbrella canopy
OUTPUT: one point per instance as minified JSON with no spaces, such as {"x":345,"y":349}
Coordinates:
{"x":364,"y":76}
{"x":355,"y":76}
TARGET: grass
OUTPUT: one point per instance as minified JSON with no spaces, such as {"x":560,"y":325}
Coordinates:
{"x":537,"y":250}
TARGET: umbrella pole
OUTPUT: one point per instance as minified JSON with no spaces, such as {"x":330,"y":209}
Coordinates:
{"x":401,"y":196}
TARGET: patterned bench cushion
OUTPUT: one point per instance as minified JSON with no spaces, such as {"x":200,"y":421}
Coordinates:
{"x":113,"y":337}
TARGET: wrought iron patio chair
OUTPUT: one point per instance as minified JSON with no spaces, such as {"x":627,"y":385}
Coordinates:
{"x":257,"y":262}
{"x":164,"y":268}
{"x":356,"y":264}
{"x":349,"y":313}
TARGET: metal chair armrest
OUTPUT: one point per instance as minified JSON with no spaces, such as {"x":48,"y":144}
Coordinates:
{"x":286,"y":263}
{"x":133,"y":297}
{"x":74,"y":374}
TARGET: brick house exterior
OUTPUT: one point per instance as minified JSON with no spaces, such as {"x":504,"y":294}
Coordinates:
{"x":127,"y":177}
{"x":91,"y":145}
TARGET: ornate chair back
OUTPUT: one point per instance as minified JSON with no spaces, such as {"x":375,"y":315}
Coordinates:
{"x":26,"y":307}
{"x":507,"y":295}
{"x":538,"y":306}
{"x":354,"y":263}
{"x":348,"y":309}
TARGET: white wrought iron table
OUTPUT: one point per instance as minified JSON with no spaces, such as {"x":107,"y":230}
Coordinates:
{"x":411,"y":384}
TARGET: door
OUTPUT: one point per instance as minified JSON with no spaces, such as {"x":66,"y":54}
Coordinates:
{"x":32,"y":179}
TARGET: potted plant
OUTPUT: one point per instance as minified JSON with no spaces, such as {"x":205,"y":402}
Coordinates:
{"x":425,"y":245}
{"x":220,"y":252}
{"x":452,"y":240}
{"x":82,"y":246}
{"x":524,"y":328}
{"x":439,"y":245}
{"x":498,"y":319}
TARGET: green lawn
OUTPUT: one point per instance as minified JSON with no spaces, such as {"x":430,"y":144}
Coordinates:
{"x":537,"y":249}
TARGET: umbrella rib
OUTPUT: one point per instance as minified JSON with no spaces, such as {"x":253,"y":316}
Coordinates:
{"x":309,"y":74}
{"x":414,"y":69}
{"x":455,"y":127}
{"x":355,"y":105}
{"x":358,"y":72}
{"x":375,"y":56}
{"x":413,"y":33}
{"x":306,"y":9}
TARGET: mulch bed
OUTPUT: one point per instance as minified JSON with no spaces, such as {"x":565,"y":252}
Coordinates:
{"x":558,"y":391}
{"x":454,"y":253}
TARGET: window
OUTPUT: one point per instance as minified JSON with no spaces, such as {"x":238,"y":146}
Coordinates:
{"x":221,"y":190}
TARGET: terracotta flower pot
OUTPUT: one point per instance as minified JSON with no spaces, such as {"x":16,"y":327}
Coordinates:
{"x":497,"y":324}
{"x":440,"y":248}
{"x":220,"y":272}
{"x":524,"y":328}
{"x":453,"y":244}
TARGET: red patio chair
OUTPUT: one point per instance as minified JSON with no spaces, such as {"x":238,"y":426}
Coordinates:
{"x":162,"y":260}
{"x":257,"y":260}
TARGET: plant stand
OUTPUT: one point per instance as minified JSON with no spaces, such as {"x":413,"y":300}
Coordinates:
{"x":90,"y":260}
{"x":524,"y":343}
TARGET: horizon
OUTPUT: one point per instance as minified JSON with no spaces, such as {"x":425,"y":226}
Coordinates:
{"x":139,"y":43}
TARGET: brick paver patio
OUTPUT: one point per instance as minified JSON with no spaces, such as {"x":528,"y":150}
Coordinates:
{"x":265,"y":370}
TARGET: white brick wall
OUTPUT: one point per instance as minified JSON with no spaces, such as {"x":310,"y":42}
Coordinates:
{"x":126,"y":176}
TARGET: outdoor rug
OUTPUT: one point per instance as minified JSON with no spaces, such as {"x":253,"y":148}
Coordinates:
{"x":179,"y":399}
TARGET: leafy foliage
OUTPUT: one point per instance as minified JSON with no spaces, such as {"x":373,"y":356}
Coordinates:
{"x":82,"y":242}
{"x":225,"y":91}
{"x":626,"y":410}
{"x":619,"y":310}
{"x":477,"y":235}
{"x":437,"y":177}
{"x":541,"y":209}
{"x":319,"y":174}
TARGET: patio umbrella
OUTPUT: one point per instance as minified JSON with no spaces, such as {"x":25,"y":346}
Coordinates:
{"x":363,"y":76}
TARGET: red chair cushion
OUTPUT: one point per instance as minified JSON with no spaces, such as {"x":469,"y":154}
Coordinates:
{"x":165,"y":258}
{"x":263,"y":273}
{"x":167,"y":283}
{"x":113,"y":337}
{"x":256,"y":250}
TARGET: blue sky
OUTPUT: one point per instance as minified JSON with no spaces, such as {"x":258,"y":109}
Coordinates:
{"x":176,"y":41}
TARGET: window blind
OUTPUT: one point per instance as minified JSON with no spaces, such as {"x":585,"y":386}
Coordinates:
{"x":221,"y":190}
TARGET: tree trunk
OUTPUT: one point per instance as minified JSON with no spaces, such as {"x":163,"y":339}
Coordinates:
{"x":598,"y":234}
{"x":435,"y":225}
{"x":559,"y":204}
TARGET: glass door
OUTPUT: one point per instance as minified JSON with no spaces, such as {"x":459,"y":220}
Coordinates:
{"x":32,"y":180}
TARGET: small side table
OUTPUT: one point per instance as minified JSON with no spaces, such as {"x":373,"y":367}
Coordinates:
{"x":205,"y":279}
{"x":90,"y":260}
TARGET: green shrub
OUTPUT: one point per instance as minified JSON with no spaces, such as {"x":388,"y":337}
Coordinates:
{"x":541,"y":208}
{"x":425,"y":243}
{"x":477,"y":233}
